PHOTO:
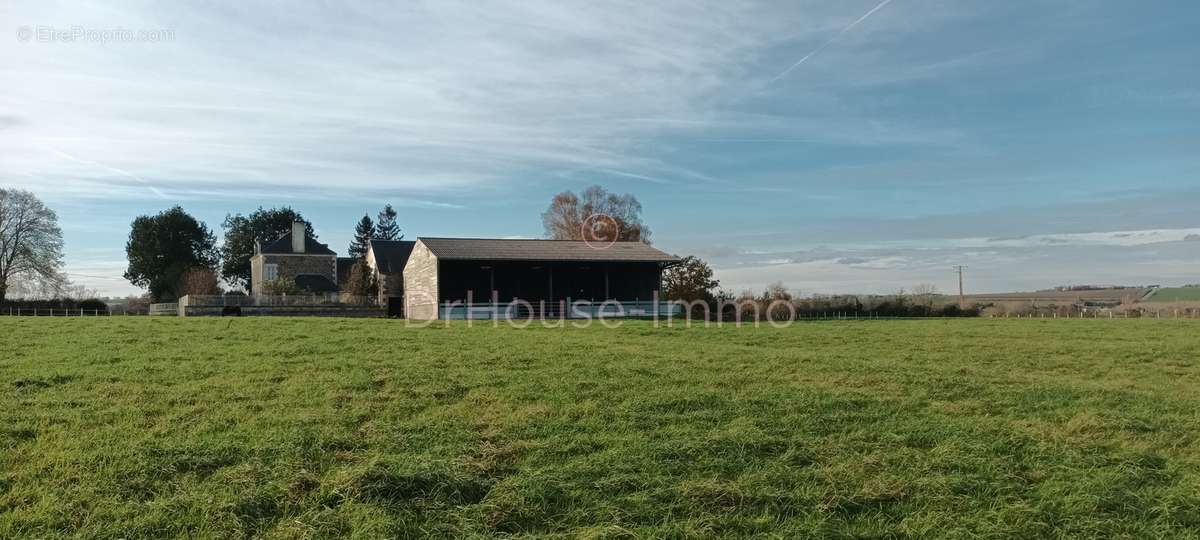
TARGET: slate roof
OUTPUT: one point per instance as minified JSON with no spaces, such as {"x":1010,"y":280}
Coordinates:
{"x":283,"y":246}
{"x":315,"y":283}
{"x":391,"y":255}
{"x":494,"y":249}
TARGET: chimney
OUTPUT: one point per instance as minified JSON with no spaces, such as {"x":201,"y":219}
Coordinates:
{"x":297,"y":236}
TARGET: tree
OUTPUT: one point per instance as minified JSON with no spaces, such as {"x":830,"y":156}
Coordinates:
{"x":691,"y":280}
{"x":363,"y":233}
{"x":361,"y":281}
{"x":775,"y":300}
{"x":163,"y":247}
{"x":569,"y":213}
{"x":242,"y":232}
{"x":199,"y":282}
{"x":387,"y":228}
{"x":30,"y":241}
{"x":924,"y":294}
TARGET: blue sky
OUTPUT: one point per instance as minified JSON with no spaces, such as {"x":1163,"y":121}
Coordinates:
{"x":849,"y":146}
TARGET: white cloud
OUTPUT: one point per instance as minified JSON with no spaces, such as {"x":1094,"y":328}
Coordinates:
{"x":427,"y":100}
{"x":1134,"y":257}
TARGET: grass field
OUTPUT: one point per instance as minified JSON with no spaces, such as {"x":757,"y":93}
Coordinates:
{"x":1101,"y":295}
{"x":282,"y":428}
{"x":1175,"y":294}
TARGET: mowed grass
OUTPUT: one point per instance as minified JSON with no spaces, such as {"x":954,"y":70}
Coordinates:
{"x":287,"y":428}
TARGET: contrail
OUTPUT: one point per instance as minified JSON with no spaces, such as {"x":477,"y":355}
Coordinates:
{"x":831,"y":40}
{"x":122,"y":172}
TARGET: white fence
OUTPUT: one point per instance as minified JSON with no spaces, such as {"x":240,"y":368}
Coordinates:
{"x":54,"y":312}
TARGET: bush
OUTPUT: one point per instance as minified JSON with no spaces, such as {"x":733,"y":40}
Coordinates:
{"x":281,"y":286}
{"x":68,"y":304}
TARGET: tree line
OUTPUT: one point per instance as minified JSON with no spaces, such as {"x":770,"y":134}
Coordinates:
{"x":173,"y":254}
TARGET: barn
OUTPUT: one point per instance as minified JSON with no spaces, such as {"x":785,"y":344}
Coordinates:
{"x":483,"y":278}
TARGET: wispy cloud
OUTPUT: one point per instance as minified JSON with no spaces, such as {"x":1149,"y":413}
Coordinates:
{"x":830,"y":41}
{"x":157,"y":192}
{"x":930,"y":123}
{"x":426,"y":100}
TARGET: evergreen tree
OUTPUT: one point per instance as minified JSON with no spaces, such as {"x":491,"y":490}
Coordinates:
{"x":363,"y":233}
{"x":387,"y":228}
{"x":361,"y":281}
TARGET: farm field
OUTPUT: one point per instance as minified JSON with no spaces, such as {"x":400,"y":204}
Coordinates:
{"x":1101,"y":295}
{"x":283,"y":428}
{"x":1175,"y":294}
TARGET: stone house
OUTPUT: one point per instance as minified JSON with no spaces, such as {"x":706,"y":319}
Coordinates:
{"x":311,"y":264}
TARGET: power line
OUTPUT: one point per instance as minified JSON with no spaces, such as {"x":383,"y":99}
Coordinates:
{"x":962,"y":301}
{"x":91,"y":276}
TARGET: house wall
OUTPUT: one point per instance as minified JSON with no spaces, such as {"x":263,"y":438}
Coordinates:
{"x":420,"y":280}
{"x":391,"y":284}
{"x":291,"y":266}
{"x":256,"y":273}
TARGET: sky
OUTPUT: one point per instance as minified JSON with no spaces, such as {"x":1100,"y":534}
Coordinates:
{"x":834,"y":146}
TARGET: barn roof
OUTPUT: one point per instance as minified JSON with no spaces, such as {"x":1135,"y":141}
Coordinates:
{"x":495,"y":249}
{"x":391,"y":255}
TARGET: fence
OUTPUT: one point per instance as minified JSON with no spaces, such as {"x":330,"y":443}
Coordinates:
{"x":578,"y":309}
{"x":1185,"y":313}
{"x":329,"y":299}
{"x":165,"y":308}
{"x":298,"y":305}
{"x":54,"y":312}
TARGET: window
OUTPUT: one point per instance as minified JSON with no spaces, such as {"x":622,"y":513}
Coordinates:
{"x":270,"y":272}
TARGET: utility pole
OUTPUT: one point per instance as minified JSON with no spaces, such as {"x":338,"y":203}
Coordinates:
{"x":962,"y":301}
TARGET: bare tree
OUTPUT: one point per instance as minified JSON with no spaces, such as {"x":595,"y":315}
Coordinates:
{"x":30,"y":241}
{"x":924,"y":294}
{"x":199,"y":281}
{"x":567,"y":214}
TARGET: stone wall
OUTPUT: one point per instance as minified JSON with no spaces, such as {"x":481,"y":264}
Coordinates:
{"x":421,"y":284}
{"x":289,"y":311}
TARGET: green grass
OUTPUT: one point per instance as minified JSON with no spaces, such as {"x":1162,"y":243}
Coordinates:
{"x":283,"y":428}
{"x":1175,"y":294}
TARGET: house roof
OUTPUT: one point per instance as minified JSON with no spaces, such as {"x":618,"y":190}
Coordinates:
{"x":495,"y":249}
{"x":391,"y":255}
{"x":315,"y":283}
{"x":283,"y":246}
